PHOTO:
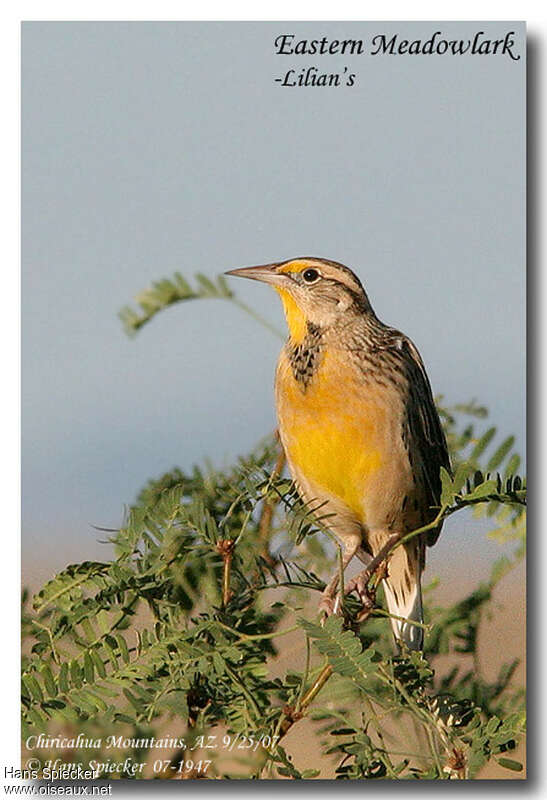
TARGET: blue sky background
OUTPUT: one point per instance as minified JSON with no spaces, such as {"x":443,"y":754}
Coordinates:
{"x":154,"y":147}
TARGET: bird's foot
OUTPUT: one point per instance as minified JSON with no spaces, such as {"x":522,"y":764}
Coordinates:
{"x":366,"y":594}
{"x":329,"y":606}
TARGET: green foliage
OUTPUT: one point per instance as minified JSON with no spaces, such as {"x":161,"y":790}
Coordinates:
{"x":343,"y":650}
{"x":183,"y":632}
{"x":168,"y":291}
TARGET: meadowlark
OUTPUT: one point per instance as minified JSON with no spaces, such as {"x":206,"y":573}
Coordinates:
{"x":359,"y":427}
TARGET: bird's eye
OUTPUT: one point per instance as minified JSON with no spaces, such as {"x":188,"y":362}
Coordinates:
{"x":310,"y":275}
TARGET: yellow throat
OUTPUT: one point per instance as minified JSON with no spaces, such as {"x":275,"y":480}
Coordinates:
{"x":296,"y":320}
{"x":329,"y":431}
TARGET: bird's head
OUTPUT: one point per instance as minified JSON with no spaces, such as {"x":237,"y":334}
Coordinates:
{"x":313,"y":290}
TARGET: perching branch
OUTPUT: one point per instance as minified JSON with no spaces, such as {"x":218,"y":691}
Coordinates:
{"x":225,"y":547}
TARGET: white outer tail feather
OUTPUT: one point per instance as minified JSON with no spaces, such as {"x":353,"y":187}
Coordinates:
{"x":411,"y":635}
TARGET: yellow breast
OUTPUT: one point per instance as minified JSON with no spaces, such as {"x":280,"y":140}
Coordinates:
{"x":332,"y":431}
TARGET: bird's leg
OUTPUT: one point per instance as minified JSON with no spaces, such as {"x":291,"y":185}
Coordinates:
{"x":363,"y":556}
{"x":330,"y":603}
{"x":378,"y":564}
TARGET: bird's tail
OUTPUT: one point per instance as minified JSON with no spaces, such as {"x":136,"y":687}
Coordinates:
{"x":403,"y":593}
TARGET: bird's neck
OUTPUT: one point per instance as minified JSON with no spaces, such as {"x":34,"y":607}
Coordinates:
{"x":306,"y":356}
{"x":296,"y":319}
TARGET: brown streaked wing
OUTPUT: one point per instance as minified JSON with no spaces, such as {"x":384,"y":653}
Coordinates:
{"x":426,"y":435}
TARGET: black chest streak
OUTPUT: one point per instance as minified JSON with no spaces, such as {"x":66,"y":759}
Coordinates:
{"x":304,"y":357}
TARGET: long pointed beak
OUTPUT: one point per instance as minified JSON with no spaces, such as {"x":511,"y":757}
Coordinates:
{"x":265,"y":272}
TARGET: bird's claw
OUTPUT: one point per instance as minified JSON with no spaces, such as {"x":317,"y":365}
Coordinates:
{"x":329,"y":606}
{"x":366,"y":595}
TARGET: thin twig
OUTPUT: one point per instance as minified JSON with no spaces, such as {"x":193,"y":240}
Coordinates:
{"x":258,"y":317}
{"x":379,"y":562}
{"x":226,"y":549}
{"x":305,"y":675}
{"x":268,"y":507}
{"x":291,"y":715}
{"x":255,"y":637}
